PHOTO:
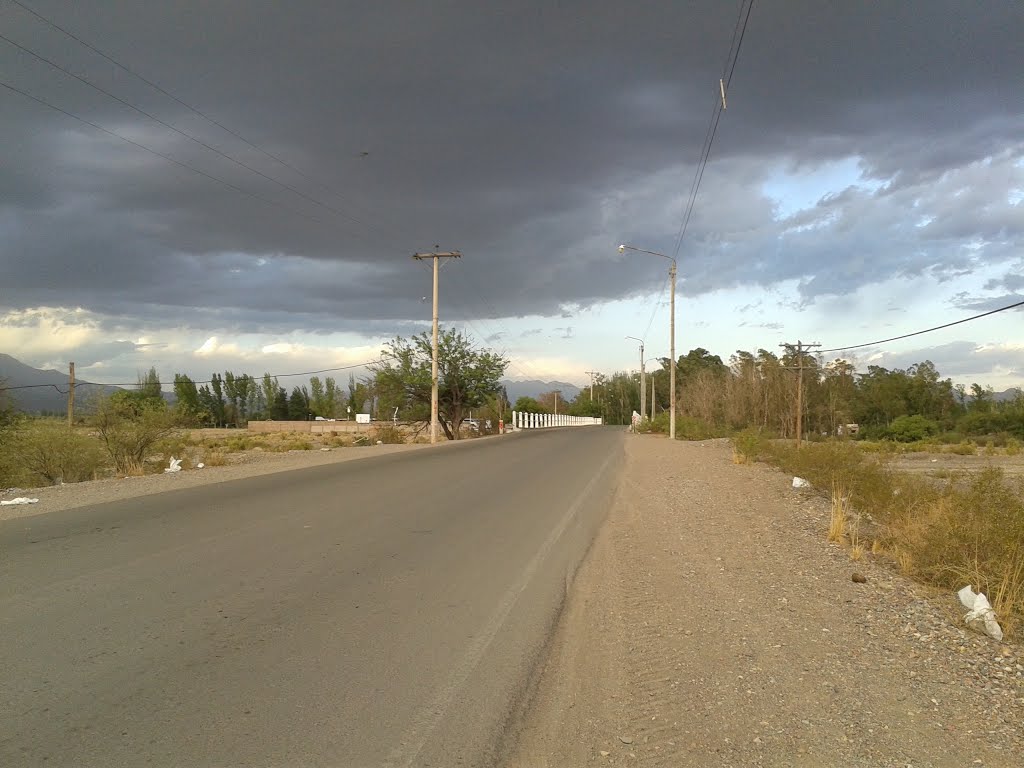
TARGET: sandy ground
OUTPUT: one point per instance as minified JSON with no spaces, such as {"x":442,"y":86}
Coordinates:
{"x":249,"y":464}
{"x":713,"y":625}
{"x":932,"y":463}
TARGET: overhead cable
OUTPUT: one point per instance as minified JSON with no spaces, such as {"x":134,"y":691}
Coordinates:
{"x":926,"y":330}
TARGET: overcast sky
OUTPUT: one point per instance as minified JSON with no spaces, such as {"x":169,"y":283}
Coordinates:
{"x":866,"y":180}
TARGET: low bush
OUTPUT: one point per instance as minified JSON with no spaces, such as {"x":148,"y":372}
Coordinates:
{"x":214,"y":459}
{"x":51,"y":453}
{"x":907,"y":429}
{"x":389,"y":434}
{"x":750,"y":444}
{"x":966,"y":448}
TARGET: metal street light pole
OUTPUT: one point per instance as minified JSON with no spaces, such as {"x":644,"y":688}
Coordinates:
{"x":436,"y":257}
{"x":643,"y":389}
{"x":672,"y":335}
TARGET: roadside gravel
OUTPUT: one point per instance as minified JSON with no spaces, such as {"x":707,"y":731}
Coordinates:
{"x":713,"y":625}
{"x":240,"y":465}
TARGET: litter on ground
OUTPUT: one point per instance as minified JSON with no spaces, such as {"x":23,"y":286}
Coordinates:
{"x":981,"y":616}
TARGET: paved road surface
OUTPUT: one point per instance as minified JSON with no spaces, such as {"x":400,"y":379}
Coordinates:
{"x":380,"y":612}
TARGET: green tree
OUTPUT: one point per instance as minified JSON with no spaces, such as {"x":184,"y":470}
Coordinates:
{"x":279,"y":409}
{"x":217,"y":405}
{"x":298,"y":404}
{"x":268,"y":392}
{"x":332,"y":398}
{"x":188,"y":408}
{"x":149,"y":386}
{"x":317,"y":398}
{"x":526,"y":404}
{"x":467,"y":377}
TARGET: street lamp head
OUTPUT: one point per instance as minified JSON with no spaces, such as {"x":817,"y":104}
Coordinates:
{"x":622,"y":249}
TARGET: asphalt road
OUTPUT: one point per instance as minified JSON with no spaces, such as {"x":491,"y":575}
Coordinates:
{"x":383,"y":612}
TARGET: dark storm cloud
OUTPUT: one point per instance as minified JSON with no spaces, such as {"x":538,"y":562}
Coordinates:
{"x":532,"y":137}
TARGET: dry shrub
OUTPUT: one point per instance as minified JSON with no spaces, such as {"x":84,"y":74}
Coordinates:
{"x":389,"y":434}
{"x":214,"y":459}
{"x":129,"y":430}
{"x":973,"y":534}
{"x":969,"y":530}
{"x":52,"y":453}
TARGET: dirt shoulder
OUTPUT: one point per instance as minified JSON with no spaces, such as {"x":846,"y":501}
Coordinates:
{"x":248,"y":464}
{"x":712,"y":624}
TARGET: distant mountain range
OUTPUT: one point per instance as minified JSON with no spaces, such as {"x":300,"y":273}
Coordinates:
{"x":534,"y":388}
{"x":52,"y":397}
{"x":1006,"y":395}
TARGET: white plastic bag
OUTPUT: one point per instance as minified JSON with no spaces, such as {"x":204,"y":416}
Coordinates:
{"x":19,"y":500}
{"x":981,"y":616}
{"x":175,"y":466}
{"x":799,"y":482}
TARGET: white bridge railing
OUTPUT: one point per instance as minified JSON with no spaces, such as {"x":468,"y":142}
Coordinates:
{"x":521,"y":420}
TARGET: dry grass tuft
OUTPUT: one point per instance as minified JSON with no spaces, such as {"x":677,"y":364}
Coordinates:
{"x":968,"y":530}
{"x":837,"y":519}
{"x":214,"y":459}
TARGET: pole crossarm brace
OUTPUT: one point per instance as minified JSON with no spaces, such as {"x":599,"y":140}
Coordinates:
{"x":437,"y":254}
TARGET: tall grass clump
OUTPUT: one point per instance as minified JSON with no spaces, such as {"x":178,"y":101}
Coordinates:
{"x":973,"y":533}
{"x":389,"y":434}
{"x":967,"y":530}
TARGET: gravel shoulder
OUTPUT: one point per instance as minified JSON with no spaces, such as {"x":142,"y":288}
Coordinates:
{"x":248,"y":464}
{"x":712,"y":624}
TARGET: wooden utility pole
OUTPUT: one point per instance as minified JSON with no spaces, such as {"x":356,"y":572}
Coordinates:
{"x":71,"y":395}
{"x":800,"y":349}
{"x":435,"y":256}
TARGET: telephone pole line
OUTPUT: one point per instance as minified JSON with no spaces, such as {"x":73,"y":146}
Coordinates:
{"x":591,"y":374}
{"x":71,"y":395}
{"x":800,"y":349}
{"x":435,"y":256}
{"x":643,"y":387}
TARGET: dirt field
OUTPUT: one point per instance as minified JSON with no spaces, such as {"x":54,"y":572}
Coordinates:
{"x":931,"y":463}
{"x":712,"y":625}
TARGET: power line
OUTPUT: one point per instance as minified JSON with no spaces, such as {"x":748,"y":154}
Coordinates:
{"x":161,"y":155}
{"x":657,"y":304}
{"x":716,"y":115}
{"x":158,"y":88}
{"x":208,"y":381}
{"x":180,"y":132}
{"x":195,"y":110}
{"x":926,"y":330}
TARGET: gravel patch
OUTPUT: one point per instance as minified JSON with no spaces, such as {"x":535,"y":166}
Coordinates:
{"x":712,"y":624}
